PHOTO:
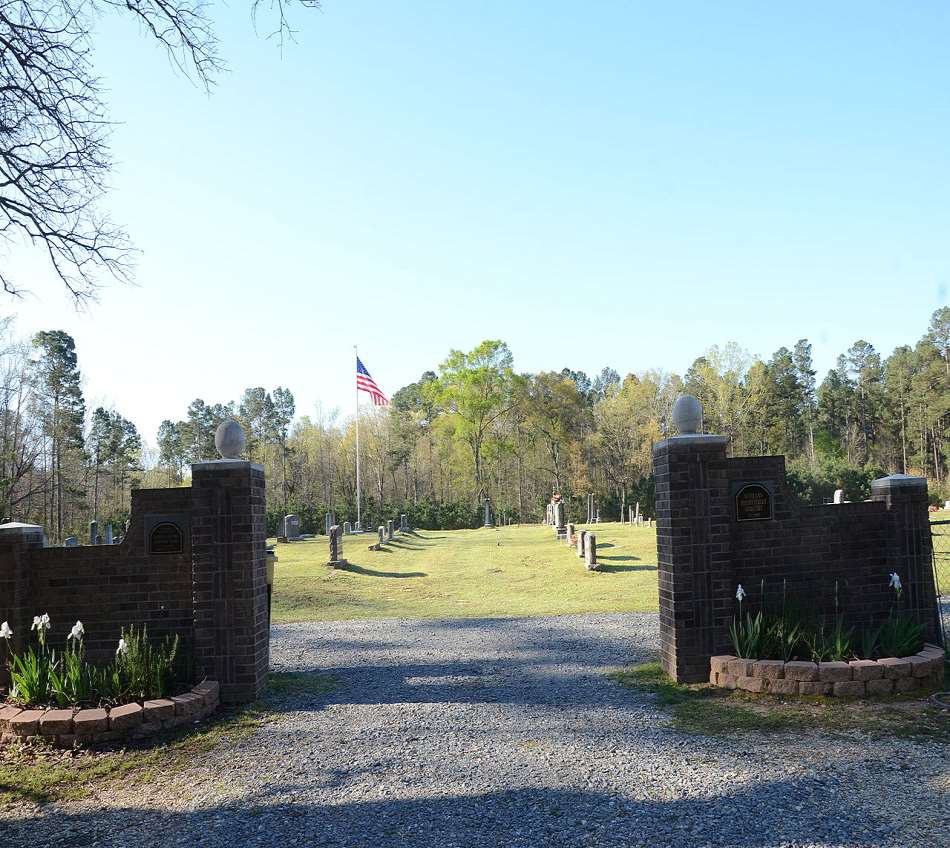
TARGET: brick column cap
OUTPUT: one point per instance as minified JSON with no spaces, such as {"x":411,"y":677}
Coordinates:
{"x":224,"y":465}
{"x":897,"y":483}
{"x":17,"y":529}
{"x":690,"y":440}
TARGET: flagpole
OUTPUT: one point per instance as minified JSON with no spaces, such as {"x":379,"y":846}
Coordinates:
{"x":359,"y":525}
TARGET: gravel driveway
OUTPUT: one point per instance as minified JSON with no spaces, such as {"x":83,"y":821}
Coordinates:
{"x":507,"y":733}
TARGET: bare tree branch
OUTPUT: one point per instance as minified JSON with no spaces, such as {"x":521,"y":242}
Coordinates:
{"x":54,"y":153}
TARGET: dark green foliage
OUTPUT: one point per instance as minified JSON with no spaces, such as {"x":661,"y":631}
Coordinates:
{"x":815,"y":483}
{"x":829,"y":644}
{"x":752,"y":636}
{"x":900,"y":635}
{"x":432,"y":515}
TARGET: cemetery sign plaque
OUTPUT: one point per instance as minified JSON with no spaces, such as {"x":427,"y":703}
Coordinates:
{"x":165,"y":538}
{"x":753,"y":503}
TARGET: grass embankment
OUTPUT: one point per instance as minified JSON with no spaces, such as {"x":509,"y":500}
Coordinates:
{"x":509,"y":571}
{"x":709,"y":711}
{"x":40,"y":773}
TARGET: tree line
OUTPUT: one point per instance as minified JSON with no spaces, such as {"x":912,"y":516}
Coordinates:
{"x":475,"y":427}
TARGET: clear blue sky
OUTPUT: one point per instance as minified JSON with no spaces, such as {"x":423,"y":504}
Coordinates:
{"x":597,"y":184}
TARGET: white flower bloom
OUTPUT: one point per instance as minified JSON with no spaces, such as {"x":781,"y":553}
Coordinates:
{"x":895,"y":581}
{"x":123,"y":647}
{"x":740,"y":593}
{"x":5,"y":630}
{"x":41,"y":622}
{"x":77,"y":632}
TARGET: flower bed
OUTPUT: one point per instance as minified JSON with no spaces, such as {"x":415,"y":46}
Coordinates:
{"x":134,"y":720}
{"x":854,"y":679}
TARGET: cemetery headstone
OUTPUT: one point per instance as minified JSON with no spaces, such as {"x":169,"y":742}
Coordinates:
{"x":839,"y":496}
{"x":382,"y":535}
{"x":489,"y":513}
{"x":108,"y":534}
{"x":71,"y":542}
{"x":403,"y":523}
{"x":93,"y":532}
{"x":946,"y":505}
{"x":560,"y":527}
{"x":590,"y":552}
{"x":569,"y":536}
{"x":291,"y":527}
{"x":347,"y":528}
{"x":580,"y":542}
{"x":336,"y":547}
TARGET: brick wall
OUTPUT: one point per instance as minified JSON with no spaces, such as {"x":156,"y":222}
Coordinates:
{"x":212,"y":592}
{"x":107,"y":587}
{"x":823,"y":559}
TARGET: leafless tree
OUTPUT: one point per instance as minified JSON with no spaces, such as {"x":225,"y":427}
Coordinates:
{"x":54,"y":154}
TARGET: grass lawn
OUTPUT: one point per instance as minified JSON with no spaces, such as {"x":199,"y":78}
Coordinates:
{"x":941,"y":542}
{"x":509,"y":571}
{"x":708,"y":711}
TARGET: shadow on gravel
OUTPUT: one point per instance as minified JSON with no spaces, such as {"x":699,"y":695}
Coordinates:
{"x":759,"y":815}
{"x":504,"y":661}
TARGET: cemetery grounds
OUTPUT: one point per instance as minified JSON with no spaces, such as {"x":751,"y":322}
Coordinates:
{"x":480,"y":687}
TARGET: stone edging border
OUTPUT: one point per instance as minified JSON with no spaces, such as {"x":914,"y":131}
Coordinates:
{"x":66,"y":727}
{"x":854,"y":679}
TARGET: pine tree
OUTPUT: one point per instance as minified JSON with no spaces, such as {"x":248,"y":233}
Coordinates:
{"x":61,"y":409}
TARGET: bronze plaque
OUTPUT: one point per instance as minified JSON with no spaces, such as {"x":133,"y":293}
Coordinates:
{"x":166,"y":538}
{"x":753,"y":503}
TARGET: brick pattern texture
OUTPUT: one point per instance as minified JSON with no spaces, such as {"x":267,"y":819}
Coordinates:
{"x":127,"y":721}
{"x":107,"y":587}
{"x":822,"y":558}
{"x":231,"y":635}
{"x":856,"y":679}
{"x":213,"y":594}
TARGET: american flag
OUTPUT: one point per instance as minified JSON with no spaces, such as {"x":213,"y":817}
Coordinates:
{"x":365,"y":383}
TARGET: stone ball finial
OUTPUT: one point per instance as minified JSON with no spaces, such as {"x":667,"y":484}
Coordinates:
{"x":229,"y":439}
{"x":688,"y":415}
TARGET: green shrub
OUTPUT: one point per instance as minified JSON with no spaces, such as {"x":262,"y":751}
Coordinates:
{"x":145,"y":670}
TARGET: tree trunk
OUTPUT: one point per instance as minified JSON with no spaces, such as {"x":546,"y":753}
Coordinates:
{"x":903,"y":439}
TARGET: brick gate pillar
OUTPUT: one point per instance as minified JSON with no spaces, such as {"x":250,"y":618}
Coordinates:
{"x":910,"y":545}
{"x":230,"y":571}
{"x":693,"y":549}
